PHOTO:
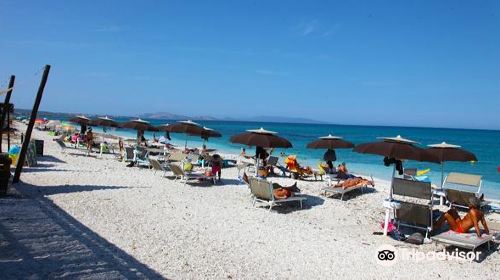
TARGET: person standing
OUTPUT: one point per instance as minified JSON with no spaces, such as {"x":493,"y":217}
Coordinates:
{"x":89,"y":139}
{"x":330,"y":157}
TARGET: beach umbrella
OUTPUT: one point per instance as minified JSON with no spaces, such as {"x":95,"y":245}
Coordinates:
{"x":53,"y":124}
{"x":330,"y":142}
{"x":449,"y":152}
{"x":209,"y":133}
{"x":398,"y":148}
{"x":140,"y":126}
{"x":104,"y":122}
{"x":187,"y":127}
{"x":68,"y":128}
{"x":83,"y":121}
{"x":261,"y":138}
{"x":165,"y":128}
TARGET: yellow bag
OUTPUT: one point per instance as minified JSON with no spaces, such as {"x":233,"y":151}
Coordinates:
{"x":188,"y":166}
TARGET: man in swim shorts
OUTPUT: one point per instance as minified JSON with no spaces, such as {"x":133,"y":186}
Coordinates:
{"x":470,"y":220}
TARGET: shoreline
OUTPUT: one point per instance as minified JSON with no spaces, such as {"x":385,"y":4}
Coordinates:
{"x":492,"y":193}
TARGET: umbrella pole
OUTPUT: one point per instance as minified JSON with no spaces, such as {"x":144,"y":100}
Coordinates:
{"x":186,"y":143}
{"x":392,"y":181}
{"x":442,"y":174}
{"x":257,"y":163}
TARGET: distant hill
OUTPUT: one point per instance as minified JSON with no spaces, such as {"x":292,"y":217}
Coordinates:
{"x":163,"y":115}
{"x":280,"y":119}
{"x":170,"y":116}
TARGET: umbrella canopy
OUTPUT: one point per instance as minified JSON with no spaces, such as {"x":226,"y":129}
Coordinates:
{"x":163,"y":127}
{"x":140,"y":125}
{"x":397,"y":148}
{"x":104,"y":121}
{"x":68,"y":128}
{"x":53,"y":124}
{"x":188,"y":127}
{"x":209,"y":133}
{"x":261,"y":138}
{"x":449,"y":152}
{"x":330,"y":142}
{"x":81,"y":120}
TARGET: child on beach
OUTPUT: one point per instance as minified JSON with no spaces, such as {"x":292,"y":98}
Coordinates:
{"x":217,"y":165}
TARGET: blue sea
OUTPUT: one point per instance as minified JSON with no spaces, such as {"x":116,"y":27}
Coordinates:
{"x":483,"y":143}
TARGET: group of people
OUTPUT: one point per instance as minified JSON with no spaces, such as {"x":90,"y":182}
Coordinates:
{"x":473,"y":219}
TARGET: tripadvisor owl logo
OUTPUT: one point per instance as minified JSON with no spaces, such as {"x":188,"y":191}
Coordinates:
{"x":386,"y":255}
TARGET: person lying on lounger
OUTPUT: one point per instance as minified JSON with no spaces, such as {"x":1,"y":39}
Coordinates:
{"x":352,"y":182}
{"x":470,"y":220}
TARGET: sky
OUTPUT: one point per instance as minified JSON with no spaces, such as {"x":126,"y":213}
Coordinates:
{"x":408,"y":63}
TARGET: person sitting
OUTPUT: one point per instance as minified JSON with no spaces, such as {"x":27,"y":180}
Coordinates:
{"x":470,"y":220}
{"x":352,"y":182}
{"x":343,"y":173}
{"x":279,"y":191}
{"x":217,"y":165}
{"x":295,"y":168}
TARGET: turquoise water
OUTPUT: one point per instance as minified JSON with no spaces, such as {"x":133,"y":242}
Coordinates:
{"x":483,"y":143}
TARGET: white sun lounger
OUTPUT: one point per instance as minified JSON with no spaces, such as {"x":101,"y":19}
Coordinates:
{"x":262,"y":191}
{"x":332,"y":190}
{"x":186,"y":176}
{"x":463,"y":240}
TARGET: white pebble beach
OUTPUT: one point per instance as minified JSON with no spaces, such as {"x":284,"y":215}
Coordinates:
{"x":132,"y":222}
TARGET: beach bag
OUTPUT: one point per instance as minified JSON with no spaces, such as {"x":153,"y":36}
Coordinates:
{"x":188,"y":166}
{"x":417,"y":238}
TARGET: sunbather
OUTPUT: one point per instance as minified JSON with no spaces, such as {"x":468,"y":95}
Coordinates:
{"x":470,"y":220}
{"x":343,"y":173}
{"x":352,"y":182}
{"x":279,"y":191}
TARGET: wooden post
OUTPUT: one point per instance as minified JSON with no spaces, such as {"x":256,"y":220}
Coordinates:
{"x":27,"y":137}
{"x":6,"y":108}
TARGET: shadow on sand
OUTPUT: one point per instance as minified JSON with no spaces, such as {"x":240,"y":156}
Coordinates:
{"x":39,"y":240}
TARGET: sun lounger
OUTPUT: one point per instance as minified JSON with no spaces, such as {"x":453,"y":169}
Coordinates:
{"x":262,"y":191}
{"x":413,"y":214}
{"x":62,"y":145}
{"x":458,"y":187}
{"x":332,"y":190}
{"x":467,"y":240}
{"x":186,"y":176}
{"x":272,"y":162}
{"x":157,"y":166}
{"x":461,"y":198}
{"x":129,"y":154}
{"x":176,"y":156}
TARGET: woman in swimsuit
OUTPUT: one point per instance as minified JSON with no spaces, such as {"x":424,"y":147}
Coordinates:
{"x":470,"y":220}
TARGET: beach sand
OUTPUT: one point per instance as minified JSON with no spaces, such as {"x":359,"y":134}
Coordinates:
{"x":98,"y":218}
